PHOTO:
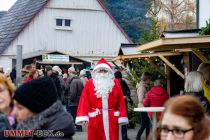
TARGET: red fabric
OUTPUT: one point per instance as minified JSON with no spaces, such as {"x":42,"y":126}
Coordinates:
{"x":103,"y":61}
{"x":88,"y":103}
{"x":29,"y":78}
{"x":155,"y":97}
{"x":65,"y":79}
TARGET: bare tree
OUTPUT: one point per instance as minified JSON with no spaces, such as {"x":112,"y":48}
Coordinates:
{"x":175,"y":14}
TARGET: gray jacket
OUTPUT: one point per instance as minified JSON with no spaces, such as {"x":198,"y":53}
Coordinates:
{"x":74,"y":88}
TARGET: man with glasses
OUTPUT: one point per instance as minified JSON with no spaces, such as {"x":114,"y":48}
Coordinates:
{"x":102,"y":104}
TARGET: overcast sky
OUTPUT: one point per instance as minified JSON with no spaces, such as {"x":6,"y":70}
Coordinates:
{"x":6,"y":4}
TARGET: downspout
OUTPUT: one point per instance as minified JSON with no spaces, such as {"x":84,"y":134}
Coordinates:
{"x":197,"y":13}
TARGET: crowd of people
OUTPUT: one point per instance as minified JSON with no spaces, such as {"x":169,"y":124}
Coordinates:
{"x":50,"y":99}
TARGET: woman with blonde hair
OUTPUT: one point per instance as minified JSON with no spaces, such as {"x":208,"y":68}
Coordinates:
{"x":204,"y":68}
{"x":184,"y":118}
{"x":194,"y":86}
{"x":7,"y":89}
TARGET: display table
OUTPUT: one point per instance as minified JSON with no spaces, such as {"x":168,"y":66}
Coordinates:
{"x":154,"y":111}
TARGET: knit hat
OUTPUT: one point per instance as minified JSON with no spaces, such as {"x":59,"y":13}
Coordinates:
{"x":37,"y":95}
{"x":102,"y":63}
{"x":57,"y":69}
{"x":48,"y":68}
{"x":71,"y":69}
{"x":82,"y":72}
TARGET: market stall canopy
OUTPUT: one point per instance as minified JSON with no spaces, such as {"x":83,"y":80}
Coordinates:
{"x":51,"y":57}
{"x":166,"y":44}
{"x":145,"y":55}
{"x":58,"y":62}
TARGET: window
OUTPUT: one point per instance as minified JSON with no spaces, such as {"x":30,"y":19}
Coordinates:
{"x":67,"y":22}
{"x":59,"y":22}
{"x":63,"y":24}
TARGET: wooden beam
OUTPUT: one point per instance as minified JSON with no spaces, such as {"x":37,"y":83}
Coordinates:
{"x":145,"y":55}
{"x":176,"y":43}
{"x":157,"y":67}
{"x":171,"y":66}
{"x":200,"y":55}
{"x":58,"y":62}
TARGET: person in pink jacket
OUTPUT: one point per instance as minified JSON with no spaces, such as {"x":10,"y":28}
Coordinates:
{"x":156,"y":96}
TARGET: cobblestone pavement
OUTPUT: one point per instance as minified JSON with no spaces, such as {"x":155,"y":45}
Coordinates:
{"x":131,"y":134}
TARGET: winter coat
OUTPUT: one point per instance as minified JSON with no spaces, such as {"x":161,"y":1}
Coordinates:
{"x":126,"y":91}
{"x":74,"y":88}
{"x":84,"y":80}
{"x":142,"y":89}
{"x":28,"y":79}
{"x":155,"y":97}
{"x":57,"y":84}
{"x":103,"y":114}
{"x":62,"y":83}
{"x":205,"y":103}
{"x":53,"y":118}
{"x":4,"y":125}
{"x":206,"y":88}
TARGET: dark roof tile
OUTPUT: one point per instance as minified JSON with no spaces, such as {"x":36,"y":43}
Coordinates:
{"x":18,"y":16}
{"x":2,"y":13}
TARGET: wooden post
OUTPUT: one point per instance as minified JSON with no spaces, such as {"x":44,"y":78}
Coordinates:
{"x":167,"y":71}
{"x":19,"y":64}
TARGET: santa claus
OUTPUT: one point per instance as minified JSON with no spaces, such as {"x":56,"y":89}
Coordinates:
{"x":102,"y":104}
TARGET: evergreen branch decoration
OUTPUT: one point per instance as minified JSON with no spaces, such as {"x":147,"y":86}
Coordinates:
{"x":205,"y":30}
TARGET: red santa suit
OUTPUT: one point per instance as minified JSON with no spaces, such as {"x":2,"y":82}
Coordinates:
{"x":103,"y":114}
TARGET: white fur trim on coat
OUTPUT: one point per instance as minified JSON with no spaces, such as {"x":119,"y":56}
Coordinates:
{"x":102,"y":66}
{"x":80,"y":119}
{"x":123,"y":120}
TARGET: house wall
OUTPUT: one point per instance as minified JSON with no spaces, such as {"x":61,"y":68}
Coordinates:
{"x":204,"y":12}
{"x":93,"y":32}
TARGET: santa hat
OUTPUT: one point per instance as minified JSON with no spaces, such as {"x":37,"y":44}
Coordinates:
{"x":103,"y":64}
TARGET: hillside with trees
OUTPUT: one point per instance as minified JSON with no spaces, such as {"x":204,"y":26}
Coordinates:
{"x":131,"y":15}
{"x":139,"y":17}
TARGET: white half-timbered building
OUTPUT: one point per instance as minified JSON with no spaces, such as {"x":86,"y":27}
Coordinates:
{"x":81,"y":28}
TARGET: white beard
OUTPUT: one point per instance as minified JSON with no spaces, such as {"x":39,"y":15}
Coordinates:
{"x":103,"y":84}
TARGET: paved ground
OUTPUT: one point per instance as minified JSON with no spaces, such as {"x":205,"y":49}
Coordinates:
{"x":131,"y":134}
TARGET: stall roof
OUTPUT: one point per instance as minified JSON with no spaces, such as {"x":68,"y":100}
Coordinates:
{"x":128,"y":49}
{"x":145,"y":55}
{"x":41,"y":52}
{"x":57,"y":62}
{"x":165,"y":44}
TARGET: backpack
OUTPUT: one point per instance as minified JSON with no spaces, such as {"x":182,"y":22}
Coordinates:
{"x":68,"y":86}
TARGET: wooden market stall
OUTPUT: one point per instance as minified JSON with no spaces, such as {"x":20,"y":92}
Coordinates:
{"x":173,"y":52}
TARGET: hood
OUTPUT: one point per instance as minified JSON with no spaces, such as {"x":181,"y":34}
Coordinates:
{"x":158,"y":90}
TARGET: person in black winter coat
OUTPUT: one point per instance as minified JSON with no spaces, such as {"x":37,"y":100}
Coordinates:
{"x":38,"y":109}
{"x":126,"y":93}
{"x":194,"y":86}
{"x":54,"y":76}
